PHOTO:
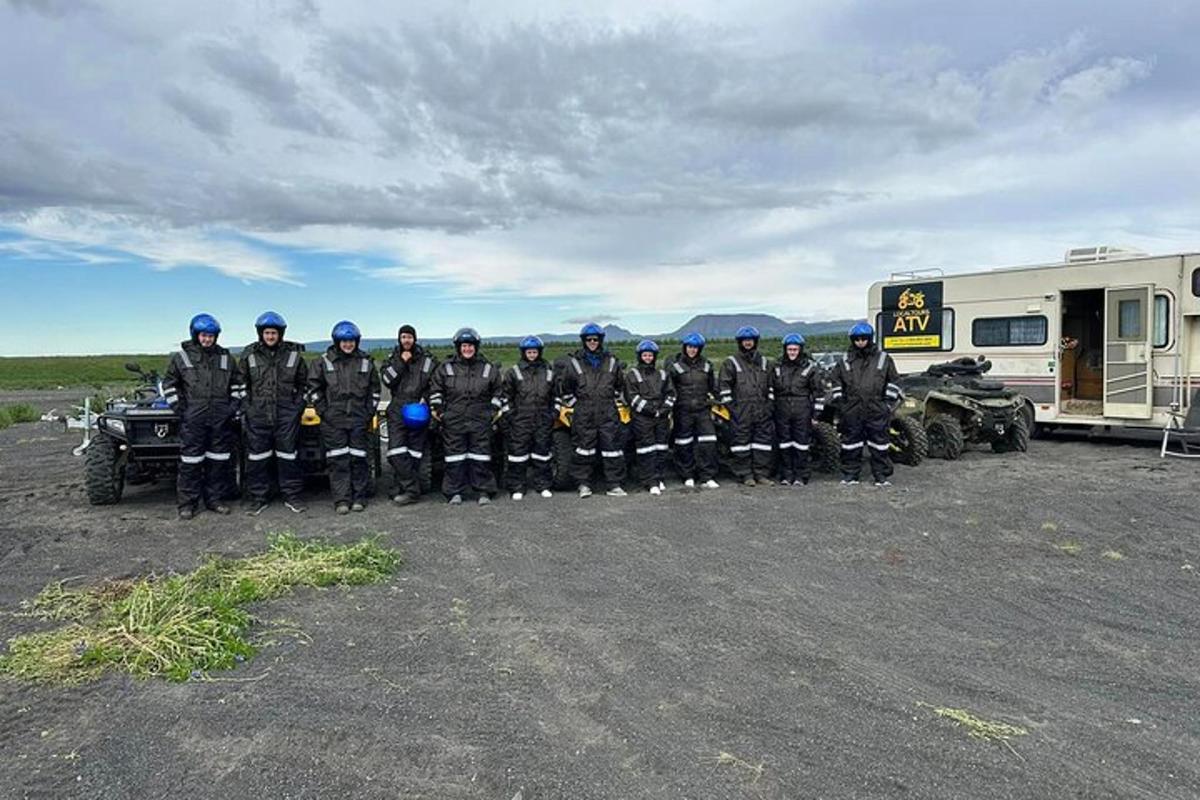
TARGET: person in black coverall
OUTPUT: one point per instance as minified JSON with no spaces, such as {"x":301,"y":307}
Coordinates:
{"x":204,"y":385}
{"x":344,"y":388}
{"x":865,"y":388}
{"x":529,"y":403}
{"x":745,"y":385}
{"x":407,"y":374}
{"x":799,"y":396}
{"x":591,"y":385}
{"x":465,"y":393}
{"x":276,"y":375}
{"x":651,"y":398}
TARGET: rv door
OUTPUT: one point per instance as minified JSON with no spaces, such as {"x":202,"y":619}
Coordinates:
{"x":1128,"y":377}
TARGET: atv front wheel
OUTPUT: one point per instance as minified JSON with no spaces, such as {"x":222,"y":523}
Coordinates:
{"x":945,"y":435}
{"x":563,"y":452}
{"x":1016,"y":440}
{"x":826,"y":454}
{"x":104,"y":475}
{"x":908,"y":441}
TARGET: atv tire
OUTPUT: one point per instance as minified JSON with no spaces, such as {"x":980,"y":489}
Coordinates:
{"x":1017,"y":438}
{"x":945,"y":435}
{"x":826,"y":454}
{"x":908,"y":441}
{"x":104,"y":477}
{"x":563,"y":452}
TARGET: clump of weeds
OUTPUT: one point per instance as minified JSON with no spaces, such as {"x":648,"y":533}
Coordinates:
{"x":180,"y":626}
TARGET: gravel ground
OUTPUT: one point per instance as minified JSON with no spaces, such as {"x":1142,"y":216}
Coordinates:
{"x":756,"y":643}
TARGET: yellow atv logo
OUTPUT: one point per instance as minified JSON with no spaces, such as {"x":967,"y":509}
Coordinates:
{"x":911,"y":299}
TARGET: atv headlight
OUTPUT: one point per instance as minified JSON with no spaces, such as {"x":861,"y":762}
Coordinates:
{"x":115,"y":425}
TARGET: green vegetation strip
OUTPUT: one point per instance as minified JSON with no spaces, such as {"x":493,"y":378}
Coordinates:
{"x":100,"y":372}
{"x":180,"y":626}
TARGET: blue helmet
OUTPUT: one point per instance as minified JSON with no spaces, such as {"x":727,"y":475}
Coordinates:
{"x":862,"y":329}
{"x":693,"y":340}
{"x":531,"y":343}
{"x":204,"y":323}
{"x":346,"y":331}
{"x":466,"y":336}
{"x":415,"y":415}
{"x":591,"y":329}
{"x":269,"y":319}
{"x":746,"y":332}
{"x":647,"y":346}
{"x":793,"y":338}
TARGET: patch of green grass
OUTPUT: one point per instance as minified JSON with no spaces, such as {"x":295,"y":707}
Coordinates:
{"x":1071,"y":548}
{"x":5,"y":419}
{"x":753,"y":771}
{"x":1113,"y":555}
{"x":977,"y":728}
{"x":21,"y":412}
{"x":180,"y":626}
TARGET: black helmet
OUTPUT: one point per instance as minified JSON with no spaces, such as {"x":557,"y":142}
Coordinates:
{"x":466,"y":336}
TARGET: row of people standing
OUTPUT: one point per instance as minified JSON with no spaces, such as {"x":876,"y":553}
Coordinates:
{"x":772,"y":405}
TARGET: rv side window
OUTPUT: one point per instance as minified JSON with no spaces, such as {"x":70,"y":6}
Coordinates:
{"x":1162,"y":323}
{"x":1196,"y":282}
{"x":1008,"y":331}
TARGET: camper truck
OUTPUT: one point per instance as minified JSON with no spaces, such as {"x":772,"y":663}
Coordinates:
{"x":1107,"y":338}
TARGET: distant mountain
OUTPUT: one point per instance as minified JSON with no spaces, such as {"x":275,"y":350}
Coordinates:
{"x":723,"y":326}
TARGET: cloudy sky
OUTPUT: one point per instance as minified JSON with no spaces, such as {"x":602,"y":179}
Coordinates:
{"x":523,"y":166}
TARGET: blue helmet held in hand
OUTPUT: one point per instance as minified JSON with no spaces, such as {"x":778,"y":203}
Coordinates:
{"x":204,"y":323}
{"x":346,"y":331}
{"x":415,"y":415}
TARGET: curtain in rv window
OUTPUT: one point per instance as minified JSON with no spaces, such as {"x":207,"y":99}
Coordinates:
{"x":1008,"y":331}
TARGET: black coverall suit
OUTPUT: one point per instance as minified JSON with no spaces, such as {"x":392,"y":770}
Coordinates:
{"x":651,"y":398}
{"x":276,"y":378}
{"x":695,"y":436}
{"x":799,"y":396}
{"x":593,"y":392}
{"x":529,"y":392}
{"x":745,"y":385}
{"x":205,"y":386}
{"x":345,"y":390}
{"x":408,"y":381}
{"x":864,"y":387}
{"x":467,"y":392}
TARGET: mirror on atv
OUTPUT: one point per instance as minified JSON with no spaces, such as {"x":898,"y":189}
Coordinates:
{"x":133,"y":366}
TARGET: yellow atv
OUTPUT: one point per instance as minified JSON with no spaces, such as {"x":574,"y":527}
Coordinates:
{"x":564,"y":451}
{"x":311,"y":450}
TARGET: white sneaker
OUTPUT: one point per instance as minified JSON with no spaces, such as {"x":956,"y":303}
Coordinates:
{"x":689,"y":484}
{"x":654,"y":490}
{"x":662,"y":487}
{"x":518,"y":496}
{"x":585,"y":491}
{"x":547,"y":493}
{"x":711,"y":484}
{"x":616,"y":491}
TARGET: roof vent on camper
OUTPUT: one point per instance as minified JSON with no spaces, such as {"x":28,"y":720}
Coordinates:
{"x":1105,"y":252}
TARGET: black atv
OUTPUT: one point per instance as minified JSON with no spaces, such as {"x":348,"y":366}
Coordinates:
{"x":137,"y":441}
{"x":957,"y":405}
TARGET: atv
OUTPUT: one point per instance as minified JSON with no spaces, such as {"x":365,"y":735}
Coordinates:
{"x":137,"y":441}
{"x":908,"y":444}
{"x":956,"y":406}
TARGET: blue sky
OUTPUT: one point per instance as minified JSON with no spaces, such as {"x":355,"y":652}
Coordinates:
{"x":521,"y":166}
